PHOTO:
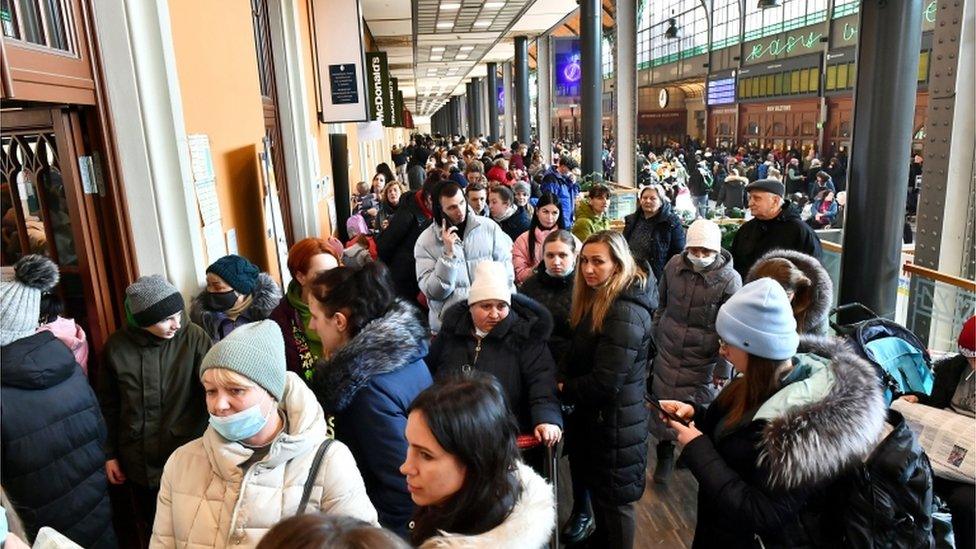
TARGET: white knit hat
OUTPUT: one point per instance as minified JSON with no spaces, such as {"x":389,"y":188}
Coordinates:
{"x":21,"y":287}
{"x":490,"y":282}
{"x":704,"y":233}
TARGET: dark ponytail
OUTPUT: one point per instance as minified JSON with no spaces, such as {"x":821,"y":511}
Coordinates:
{"x":363,"y":295}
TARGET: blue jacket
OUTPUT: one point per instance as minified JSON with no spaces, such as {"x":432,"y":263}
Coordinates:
{"x":564,"y":189}
{"x":368,"y":384}
{"x":813,"y":188}
{"x":830,"y":213}
{"x":52,"y":432}
{"x":667,"y":237}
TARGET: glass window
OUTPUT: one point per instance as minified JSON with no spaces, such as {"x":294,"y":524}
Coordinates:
{"x":770,"y":84}
{"x":792,"y":14}
{"x":726,"y":23}
{"x":41,"y":22}
{"x":755,"y":86}
{"x":778,"y":85}
{"x":607,"y":59}
{"x":743,"y":88}
{"x":923,"y":66}
{"x":831,"y":83}
{"x":841,"y":77}
{"x":690,"y":19}
{"x":795,"y":82}
{"x":762,"y":86}
{"x":813,"y":76}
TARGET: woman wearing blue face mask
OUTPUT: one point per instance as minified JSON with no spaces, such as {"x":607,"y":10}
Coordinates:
{"x":694,"y":285}
{"x":258,"y":461}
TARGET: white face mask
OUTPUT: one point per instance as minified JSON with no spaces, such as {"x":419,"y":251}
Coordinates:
{"x":702,"y":262}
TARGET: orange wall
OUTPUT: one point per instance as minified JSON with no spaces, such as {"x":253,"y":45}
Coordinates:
{"x":217,"y":68}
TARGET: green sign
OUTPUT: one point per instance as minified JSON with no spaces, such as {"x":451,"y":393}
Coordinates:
{"x":395,"y":95}
{"x":785,"y":45}
{"x":377,"y":83}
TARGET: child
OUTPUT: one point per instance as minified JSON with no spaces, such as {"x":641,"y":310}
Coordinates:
{"x":364,"y":203}
{"x":694,"y":284}
{"x":149,"y":390}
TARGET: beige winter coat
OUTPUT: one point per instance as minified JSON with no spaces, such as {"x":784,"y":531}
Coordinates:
{"x":528,"y":526}
{"x":205,"y":500}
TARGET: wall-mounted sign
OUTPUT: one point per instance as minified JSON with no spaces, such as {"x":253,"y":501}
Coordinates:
{"x":391,"y":96}
{"x":397,"y":103}
{"x":567,"y":70}
{"x":500,"y":98}
{"x":784,"y":45}
{"x":377,"y":84}
{"x":662,"y":98}
{"x":341,"y":61}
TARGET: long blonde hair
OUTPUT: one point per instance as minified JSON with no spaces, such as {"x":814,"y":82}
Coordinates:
{"x":596,"y":302}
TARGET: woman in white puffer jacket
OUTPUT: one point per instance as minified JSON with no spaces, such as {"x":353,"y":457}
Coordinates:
{"x":250,"y":468}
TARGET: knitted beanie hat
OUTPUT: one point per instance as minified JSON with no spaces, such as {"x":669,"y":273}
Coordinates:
{"x":152,"y":298}
{"x":967,"y":338}
{"x":522,"y":186}
{"x":21,"y":287}
{"x":255,"y":351}
{"x":704,"y":233}
{"x":490,"y":282}
{"x":758,"y":319}
{"x":238,"y":272}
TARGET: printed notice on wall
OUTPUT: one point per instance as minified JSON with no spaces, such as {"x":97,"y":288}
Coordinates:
{"x":342,"y":80}
{"x":201,"y":161}
{"x":213,"y":238}
{"x":206,"y":191}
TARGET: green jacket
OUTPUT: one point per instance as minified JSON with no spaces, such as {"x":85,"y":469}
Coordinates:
{"x":587,"y":222}
{"x":151,"y":396}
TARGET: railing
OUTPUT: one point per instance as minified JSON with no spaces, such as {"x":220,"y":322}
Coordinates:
{"x":930,"y":303}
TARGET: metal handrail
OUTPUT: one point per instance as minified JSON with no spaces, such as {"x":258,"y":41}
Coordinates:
{"x":962,"y":283}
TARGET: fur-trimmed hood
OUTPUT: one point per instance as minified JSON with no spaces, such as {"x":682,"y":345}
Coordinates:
{"x":531,"y":320}
{"x":828,"y":415}
{"x":823,"y":295}
{"x":264,"y":299}
{"x":529,"y":525}
{"x":387,"y":344}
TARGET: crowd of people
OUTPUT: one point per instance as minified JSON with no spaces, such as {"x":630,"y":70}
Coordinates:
{"x":478,"y":302}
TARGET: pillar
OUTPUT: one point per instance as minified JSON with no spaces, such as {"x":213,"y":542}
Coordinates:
{"x":625,"y":89}
{"x":476,"y":106}
{"x":591,"y":100}
{"x":884,"y":109}
{"x":469,"y":105}
{"x":492,"y":128}
{"x":543,"y":64}
{"x":524,"y":125}
{"x":509,"y":102}
{"x":455,"y":118}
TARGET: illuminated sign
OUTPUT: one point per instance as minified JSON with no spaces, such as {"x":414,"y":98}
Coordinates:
{"x":721,"y":91}
{"x":568,"y":71}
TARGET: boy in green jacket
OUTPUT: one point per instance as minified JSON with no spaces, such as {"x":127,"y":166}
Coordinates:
{"x":149,"y":391}
{"x":591,"y":216}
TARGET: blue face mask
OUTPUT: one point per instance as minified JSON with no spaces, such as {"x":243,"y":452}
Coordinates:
{"x":240,"y":426}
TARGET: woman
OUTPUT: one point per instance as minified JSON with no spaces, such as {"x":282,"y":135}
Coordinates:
{"x":375,"y":346}
{"x":654,"y":232}
{"x":527,"y":252}
{"x":552,"y":286}
{"x":503,"y":334}
{"x":307,"y":259}
{"x":237,"y":293}
{"x":389,"y":202}
{"x":523,"y":196}
{"x":464,"y":472}
{"x":251,"y":467}
{"x":384,"y":169}
{"x":823,"y":212}
{"x":378,"y":183}
{"x":606,"y":374}
{"x":318,"y":531}
{"x":51,"y":430}
{"x":777,"y":436}
{"x":807,"y":285}
{"x":687,"y":366}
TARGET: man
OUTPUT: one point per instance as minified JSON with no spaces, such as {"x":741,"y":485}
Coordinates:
{"x":477,"y":196}
{"x":821,"y":182}
{"x":558,"y":181}
{"x":448,"y":251}
{"x":512,"y":219}
{"x":592,"y":214}
{"x":699,"y":185}
{"x":776,"y":225}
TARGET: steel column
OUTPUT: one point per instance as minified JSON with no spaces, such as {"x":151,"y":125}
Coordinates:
{"x":543,"y":70}
{"x":591,"y":93}
{"x":625,"y":89}
{"x":509,"y":102}
{"x":884,"y":106}
{"x":492,"y":128}
{"x":524,"y":125}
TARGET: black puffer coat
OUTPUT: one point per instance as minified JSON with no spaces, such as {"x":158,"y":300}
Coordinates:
{"x":515,"y":352}
{"x":52,"y":433}
{"x":655,"y":240}
{"x":395,"y":244}
{"x":786,"y":231}
{"x":556,"y":295}
{"x":606,"y":379}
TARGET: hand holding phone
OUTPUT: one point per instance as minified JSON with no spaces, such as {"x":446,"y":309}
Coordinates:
{"x":449,"y":234}
{"x":667,"y":413}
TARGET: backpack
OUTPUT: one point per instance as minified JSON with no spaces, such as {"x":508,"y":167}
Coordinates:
{"x":888,"y":501}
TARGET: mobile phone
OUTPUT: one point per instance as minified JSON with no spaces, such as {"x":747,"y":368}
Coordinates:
{"x":666,"y":413}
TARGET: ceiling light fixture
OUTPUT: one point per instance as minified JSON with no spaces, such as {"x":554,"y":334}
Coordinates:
{"x":437,"y":48}
{"x":466,"y":48}
{"x":765,"y":4}
{"x":445,"y":25}
{"x":493,"y":5}
{"x":482,"y":23}
{"x":450,"y":6}
{"x":672,"y":31}
{"x":461,"y":56}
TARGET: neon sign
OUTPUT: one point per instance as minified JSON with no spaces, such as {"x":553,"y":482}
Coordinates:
{"x":778,"y":46}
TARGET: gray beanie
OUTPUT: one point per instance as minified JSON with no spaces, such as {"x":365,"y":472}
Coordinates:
{"x":758,"y":319}
{"x":152,"y":298}
{"x":256,"y":351}
{"x":522,"y":186}
{"x":20,"y":295}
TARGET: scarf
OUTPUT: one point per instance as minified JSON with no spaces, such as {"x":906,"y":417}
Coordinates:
{"x":508,"y":213}
{"x":294,"y":297}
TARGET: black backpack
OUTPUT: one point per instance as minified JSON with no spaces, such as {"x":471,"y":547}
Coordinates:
{"x":888,"y":500}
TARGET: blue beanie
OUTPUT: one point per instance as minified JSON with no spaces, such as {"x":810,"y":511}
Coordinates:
{"x":758,"y":319}
{"x":239,"y":273}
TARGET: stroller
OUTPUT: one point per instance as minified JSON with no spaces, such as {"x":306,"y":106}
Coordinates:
{"x":902,"y":360}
